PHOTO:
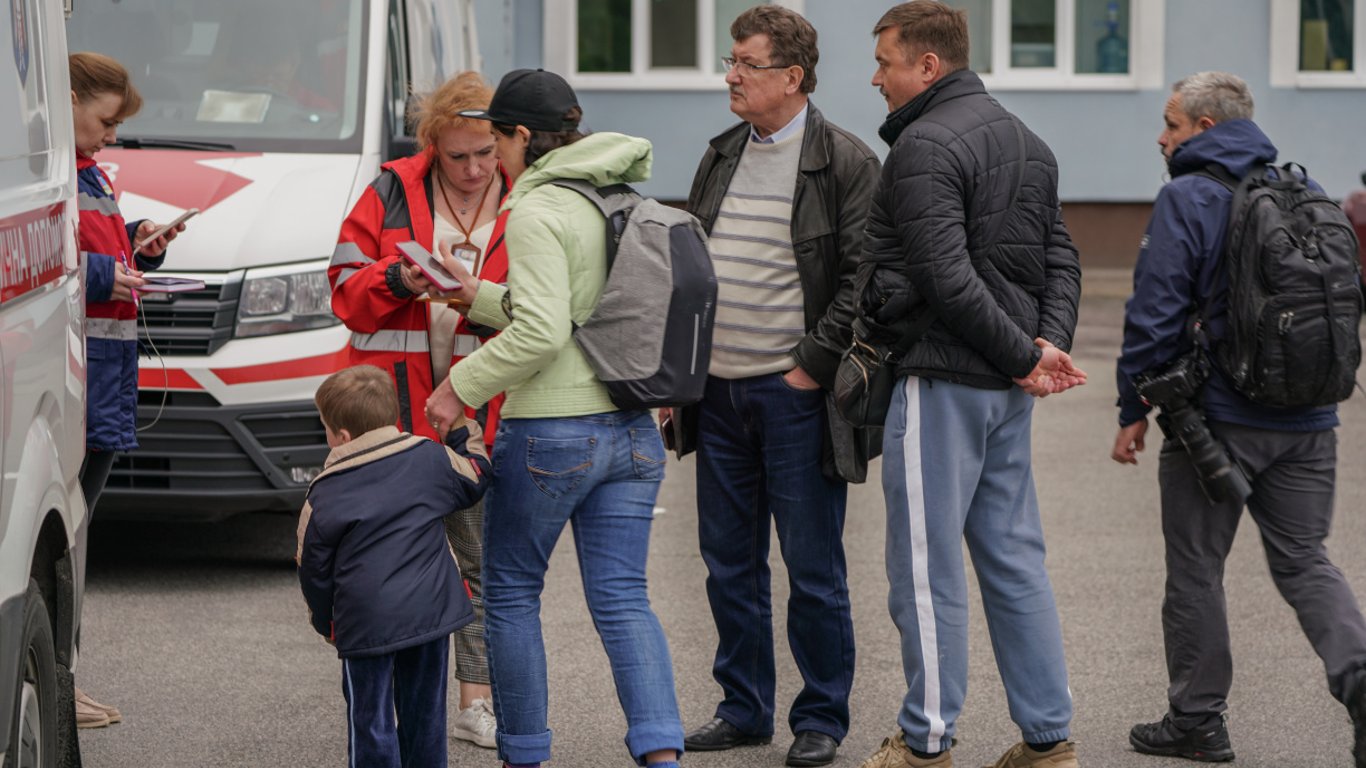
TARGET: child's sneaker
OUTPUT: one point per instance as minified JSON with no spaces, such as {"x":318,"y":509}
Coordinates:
{"x":476,"y":724}
{"x":1062,"y":755}
{"x":1207,"y":744}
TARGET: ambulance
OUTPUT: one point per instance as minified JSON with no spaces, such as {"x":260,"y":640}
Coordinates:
{"x":270,"y":118}
{"x":43,"y":520}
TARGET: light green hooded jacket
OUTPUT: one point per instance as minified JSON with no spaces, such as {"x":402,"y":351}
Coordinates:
{"x":557,"y":263}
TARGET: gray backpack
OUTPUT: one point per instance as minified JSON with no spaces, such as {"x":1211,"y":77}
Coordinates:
{"x":649,"y":338}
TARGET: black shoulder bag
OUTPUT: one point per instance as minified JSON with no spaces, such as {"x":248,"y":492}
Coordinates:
{"x":867,"y":370}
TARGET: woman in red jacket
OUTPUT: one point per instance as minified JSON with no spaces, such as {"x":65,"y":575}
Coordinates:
{"x":448,"y":194}
{"x":102,"y":97}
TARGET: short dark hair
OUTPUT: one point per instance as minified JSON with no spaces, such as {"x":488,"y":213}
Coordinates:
{"x":542,"y":142}
{"x":357,"y":399}
{"x":929,"y":26}
{"x":791,"y":35}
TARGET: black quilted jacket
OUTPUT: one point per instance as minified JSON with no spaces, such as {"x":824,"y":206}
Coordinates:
{"x":945,"y":190}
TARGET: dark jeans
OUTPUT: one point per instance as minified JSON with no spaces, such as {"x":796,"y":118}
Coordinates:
{"x":95,"y":470}
{"x":410,"y":685}
{"x":1292,"y":477}
{"x":759,"y":458}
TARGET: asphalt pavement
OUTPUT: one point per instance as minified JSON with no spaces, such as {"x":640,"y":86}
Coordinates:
{"x":198,"y":633}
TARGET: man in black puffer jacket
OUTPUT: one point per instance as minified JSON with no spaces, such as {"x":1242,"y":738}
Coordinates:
{"x":965,"y":234}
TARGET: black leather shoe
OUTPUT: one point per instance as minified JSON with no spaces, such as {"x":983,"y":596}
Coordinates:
{"x":718,"y":735}
{"x":811,"y":748}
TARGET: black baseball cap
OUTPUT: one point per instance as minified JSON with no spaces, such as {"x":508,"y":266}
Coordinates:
{"x":532,"y":97}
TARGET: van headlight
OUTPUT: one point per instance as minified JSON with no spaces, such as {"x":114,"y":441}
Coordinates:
{"x":285,"y":300}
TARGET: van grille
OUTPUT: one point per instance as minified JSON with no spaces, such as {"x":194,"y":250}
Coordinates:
{"x":195,"y":323}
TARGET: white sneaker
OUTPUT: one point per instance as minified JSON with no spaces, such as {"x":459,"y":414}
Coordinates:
{"x":476,"y":724}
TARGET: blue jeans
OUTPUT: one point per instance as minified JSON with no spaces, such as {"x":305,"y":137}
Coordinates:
{"x":396,"y":707}
{"x":759,"y":458}
{"x":601,"y":474}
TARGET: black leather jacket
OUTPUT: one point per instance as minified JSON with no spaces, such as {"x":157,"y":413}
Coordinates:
{"x":835,"y":179}
{"x":947,"y":183}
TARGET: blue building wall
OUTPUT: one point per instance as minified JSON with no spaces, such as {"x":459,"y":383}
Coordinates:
{"x":1106,"y":142}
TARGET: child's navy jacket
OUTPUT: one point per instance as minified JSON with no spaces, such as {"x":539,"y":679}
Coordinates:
{"x":374,"y":564}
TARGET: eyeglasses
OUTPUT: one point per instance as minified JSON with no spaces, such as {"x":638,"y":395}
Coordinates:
{"x":730,"y":62}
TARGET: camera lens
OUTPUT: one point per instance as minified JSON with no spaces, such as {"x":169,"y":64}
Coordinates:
{"x":1219,"y":476}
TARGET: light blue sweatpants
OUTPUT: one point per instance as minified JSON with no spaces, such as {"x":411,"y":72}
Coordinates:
{"x":956,"y":465}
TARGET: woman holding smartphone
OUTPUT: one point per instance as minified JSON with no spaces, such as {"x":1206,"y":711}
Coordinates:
{"x":102,"y":97}
{"x":565,"y":453}
{"x":445,"y":197}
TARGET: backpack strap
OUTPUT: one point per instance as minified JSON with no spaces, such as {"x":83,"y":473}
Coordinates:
{"x":615,"y":202}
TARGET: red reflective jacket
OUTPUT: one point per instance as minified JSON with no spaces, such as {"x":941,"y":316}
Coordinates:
{"x":392,"y":332}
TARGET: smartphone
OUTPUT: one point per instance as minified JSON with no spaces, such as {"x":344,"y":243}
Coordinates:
{"x":181,"y":219}
{"x":161,"y":284}
{"x":430,"y":266}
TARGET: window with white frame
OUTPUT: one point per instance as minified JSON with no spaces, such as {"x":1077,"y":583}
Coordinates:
{"x":1066,"y":44}
{"x":634,"y":44}
{"x":1318,"y":43}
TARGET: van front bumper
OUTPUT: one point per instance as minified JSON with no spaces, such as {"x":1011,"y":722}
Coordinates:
{"x":199,"y":460}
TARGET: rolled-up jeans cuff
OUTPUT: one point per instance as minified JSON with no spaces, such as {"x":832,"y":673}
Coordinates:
{"x":523,"y":749}
{"x":644,"y":738}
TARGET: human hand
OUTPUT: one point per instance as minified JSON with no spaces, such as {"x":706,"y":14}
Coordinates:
{"x":413,"y":279}
{"x":154,"y":248}
{"x":1053,"y":373}
{"x":444,"y":408}
{"x":126,"y":281}
{"x":1129,"y":442}
{"x":665,"y":414}
{"x":798,"y":378}
{"x":463,"y":296}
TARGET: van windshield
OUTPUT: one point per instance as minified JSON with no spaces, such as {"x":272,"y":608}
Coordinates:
{"x":254,"y":75}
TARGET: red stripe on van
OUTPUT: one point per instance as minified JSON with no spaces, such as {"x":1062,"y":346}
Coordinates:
{"x":153,"y":377}
{"x":322,"y":365}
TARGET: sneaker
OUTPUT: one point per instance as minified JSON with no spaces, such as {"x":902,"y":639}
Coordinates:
{"x":895,"y":754}
{"x":476,"y":724}
{"x":1062,"y":755}
{"x":89,"y":714}
{"x":1356,"y":707}
{"x":1207,"y":743}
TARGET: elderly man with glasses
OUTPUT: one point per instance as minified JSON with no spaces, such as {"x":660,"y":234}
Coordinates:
{"x":783,"y":195}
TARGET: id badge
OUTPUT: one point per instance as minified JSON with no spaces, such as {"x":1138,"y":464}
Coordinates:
{"x":468,"y":255}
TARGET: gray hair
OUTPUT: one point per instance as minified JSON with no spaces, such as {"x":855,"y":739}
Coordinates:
{"x":1219,"y":96}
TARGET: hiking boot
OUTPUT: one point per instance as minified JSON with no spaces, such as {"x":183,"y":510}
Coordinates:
{"x":1062,"y":755}
{"x":476,"y":724}
{"x":895,"y":754}
{"x":89,"y":713}
{"x":1356,"y":707}
{"x":1207,"y":743}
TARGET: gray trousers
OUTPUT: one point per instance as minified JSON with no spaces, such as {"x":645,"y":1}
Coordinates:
{"x":465,"y":532}
{"x":1293,"y":475}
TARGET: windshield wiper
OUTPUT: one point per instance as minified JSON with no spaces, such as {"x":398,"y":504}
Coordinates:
{"x":133,"y":142}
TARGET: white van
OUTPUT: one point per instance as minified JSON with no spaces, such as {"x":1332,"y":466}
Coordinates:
{"x":270,"y":117}
{"x":43,"y":519}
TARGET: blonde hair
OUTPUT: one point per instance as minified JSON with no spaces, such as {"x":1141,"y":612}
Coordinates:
{"x":440,"y":109}
{"x":94,"y":74}
{"x":357,"y":399}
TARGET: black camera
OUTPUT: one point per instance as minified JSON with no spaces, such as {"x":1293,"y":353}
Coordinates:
{"x":1174,"y":390}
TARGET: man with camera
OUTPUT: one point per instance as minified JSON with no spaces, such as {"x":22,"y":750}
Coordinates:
{"x":1222,"y":449}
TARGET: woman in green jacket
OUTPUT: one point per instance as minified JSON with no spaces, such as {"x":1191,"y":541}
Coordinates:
{"x":564,"y":453}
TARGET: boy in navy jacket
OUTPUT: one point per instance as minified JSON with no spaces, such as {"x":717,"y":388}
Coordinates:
{"x":381,"y":583}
